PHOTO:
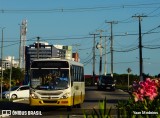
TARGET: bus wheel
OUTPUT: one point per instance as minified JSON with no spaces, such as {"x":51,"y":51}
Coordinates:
{"x":78,"y":105}
{"x":73,"y":101}
{"x":69,"y":108}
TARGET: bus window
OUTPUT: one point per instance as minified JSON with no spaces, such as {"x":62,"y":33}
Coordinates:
{"x":49,"y":79}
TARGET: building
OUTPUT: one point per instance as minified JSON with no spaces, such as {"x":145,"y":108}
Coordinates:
{"x":68,"y":51}
{"x":42,"y":50}
{"x":7,"y":63}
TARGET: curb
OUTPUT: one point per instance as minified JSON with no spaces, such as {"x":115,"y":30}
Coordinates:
{"x":18,"y":100}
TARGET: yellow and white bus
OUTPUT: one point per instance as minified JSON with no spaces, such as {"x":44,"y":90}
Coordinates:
{"x":56,"y":82}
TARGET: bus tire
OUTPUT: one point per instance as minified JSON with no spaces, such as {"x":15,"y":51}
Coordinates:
{"x":69,"y":108}
{"x":78,"y":105}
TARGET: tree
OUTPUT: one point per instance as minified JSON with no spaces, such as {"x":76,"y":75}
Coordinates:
{"x":17,"y":74}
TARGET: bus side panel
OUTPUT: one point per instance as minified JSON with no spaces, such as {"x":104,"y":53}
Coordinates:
{"x":78,"y":93}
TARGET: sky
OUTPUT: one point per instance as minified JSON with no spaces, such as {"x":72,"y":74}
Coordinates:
{"x":70,"y":22}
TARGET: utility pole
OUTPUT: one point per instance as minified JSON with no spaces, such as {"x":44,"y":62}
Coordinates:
{"x":140,"y":47}
{"x":94,"y":43}
{"x":105,"y":60}
{"x":10,"y":77}
{"x":2,"y":62}
{"x":99,"y":46}
{"x":20,"y":46}
{"x":38,"y":47}
{"x":111,"y":48}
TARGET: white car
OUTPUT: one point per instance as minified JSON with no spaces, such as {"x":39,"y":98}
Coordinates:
{"x":17,"y":92}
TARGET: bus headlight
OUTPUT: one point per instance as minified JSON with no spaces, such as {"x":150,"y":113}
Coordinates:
{"x":65,"y":96}
{"x":34,"y":96}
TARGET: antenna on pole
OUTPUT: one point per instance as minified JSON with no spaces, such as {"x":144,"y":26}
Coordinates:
{"x":23,"y":31}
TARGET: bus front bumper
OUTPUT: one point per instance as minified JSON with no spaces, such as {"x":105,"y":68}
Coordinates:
{"x":51,"y":102}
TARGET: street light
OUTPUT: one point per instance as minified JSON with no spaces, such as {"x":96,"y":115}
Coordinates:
{"x":2,"y":62}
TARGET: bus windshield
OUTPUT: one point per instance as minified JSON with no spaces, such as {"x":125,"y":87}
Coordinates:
{"x":50,"y":79}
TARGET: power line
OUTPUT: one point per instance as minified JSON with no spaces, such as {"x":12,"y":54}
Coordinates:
{"x":82,"y":9}
{"x":153,"y":11}
{"x":72,"y":38}
{"x":83,"y":37}
{"x":128,"y":50}
{"x":157,"y":47}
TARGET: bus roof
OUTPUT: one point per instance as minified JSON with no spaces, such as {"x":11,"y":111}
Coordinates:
{"x":59,"y":59}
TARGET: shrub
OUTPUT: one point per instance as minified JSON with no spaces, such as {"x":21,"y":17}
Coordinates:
{"x":145,"y":100}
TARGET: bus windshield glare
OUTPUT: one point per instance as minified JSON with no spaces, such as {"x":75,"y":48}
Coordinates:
{"x":50,"y":79}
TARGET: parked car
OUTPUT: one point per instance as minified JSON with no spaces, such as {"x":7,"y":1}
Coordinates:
{"x":105,"y":82}
{"x":17,"y":92}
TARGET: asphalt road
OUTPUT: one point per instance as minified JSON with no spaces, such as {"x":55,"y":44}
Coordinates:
{"x":92,"y":99}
